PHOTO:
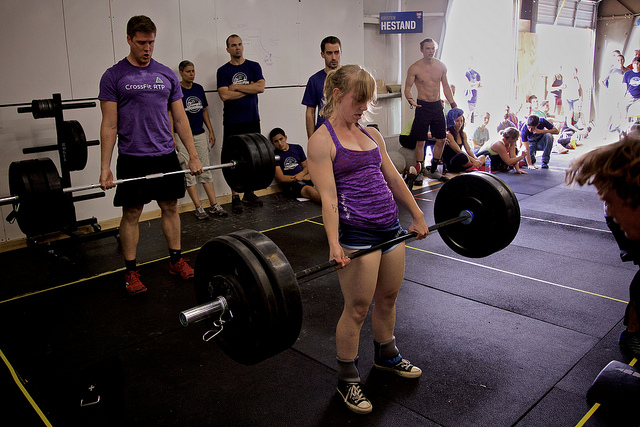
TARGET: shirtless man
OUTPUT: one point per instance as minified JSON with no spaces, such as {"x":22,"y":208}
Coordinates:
{"x":428,"y":74}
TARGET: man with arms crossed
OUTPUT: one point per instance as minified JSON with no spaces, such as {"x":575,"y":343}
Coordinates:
{"x":429,"y":74}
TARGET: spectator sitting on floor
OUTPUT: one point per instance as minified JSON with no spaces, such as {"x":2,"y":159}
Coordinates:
{"x":503,"y":152}
{"x":453,"y":157}
{"x":292,"y":171}
{"x":574,"y":128}
{"x":506,"y":122}
{"x":481,"y":134}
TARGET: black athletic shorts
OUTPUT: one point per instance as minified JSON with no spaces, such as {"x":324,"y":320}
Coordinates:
{"x":141,"y":192}
{"x":430,"y":115}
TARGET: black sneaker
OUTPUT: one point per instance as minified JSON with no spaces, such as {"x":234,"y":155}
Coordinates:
{"x":630,"y":342}
{"x":399,"y":366}
{"x":236,"y":204}
{"x":251,"y":199}
{"x":353,"y":397}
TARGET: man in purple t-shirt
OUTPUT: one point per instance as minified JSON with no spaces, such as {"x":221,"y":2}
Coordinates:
{"x":632,"y":80}
{"x":135,"y":95}
{"x":330,"y":50}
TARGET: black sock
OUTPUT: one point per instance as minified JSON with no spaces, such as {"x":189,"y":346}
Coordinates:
{"x":434,"y":165}
{"x":130,"y":265}
{"x":174,"y":255}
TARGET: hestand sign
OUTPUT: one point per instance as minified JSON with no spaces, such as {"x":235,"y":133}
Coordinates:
{"x":400,"y":22}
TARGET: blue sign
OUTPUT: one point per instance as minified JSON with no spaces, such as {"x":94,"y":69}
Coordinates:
{"x":400,"y":22}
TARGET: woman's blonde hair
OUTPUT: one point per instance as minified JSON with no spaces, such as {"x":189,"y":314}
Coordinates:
{"x":615,"y":166}
{"x":347,"y":78}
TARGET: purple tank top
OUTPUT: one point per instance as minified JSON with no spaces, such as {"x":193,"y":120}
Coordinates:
{"x":364,"y":198}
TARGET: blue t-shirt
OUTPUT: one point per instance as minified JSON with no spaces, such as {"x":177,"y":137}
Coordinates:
{"x":314,"y":94}
{"x":528,"y":136}
{"x":244,"y":109}
{"x":195,"y":101}
{"x":473,"y":77}
{"x":632,"y":79}
{"x":143,"y":95}
{"x":291,"y":160}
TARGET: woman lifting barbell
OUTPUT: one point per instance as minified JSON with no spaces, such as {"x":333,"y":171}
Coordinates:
{"x":359,"y":187}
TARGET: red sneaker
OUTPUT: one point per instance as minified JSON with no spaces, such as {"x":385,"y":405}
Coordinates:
{"x":181,"y":268}
{"x":133,"y":283}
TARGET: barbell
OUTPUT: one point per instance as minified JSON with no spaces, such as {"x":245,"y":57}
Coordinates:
{"x":42,"y":205}
{"x":248,"y":294}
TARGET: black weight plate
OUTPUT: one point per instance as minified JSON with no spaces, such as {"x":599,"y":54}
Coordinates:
{"x":266,"y":171}
{"x":243,"y":150}
{"x":43,"y":206}
{"x":495,"y":209}
{"x":514,"y":206}
{"x":226,"y":267}
{"x":283,"y":281}
{"x":74,"y":145}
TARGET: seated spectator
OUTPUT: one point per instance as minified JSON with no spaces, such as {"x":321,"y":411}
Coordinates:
{"x":503,"y":152}
{"x":538,"y":133}
{"x":512,"y":116}
{"x":545,"y":109}
{"x":292,"y":171}
{"x":574,"y":129}
{"x":445,"y":104}
{"x":535,"y":107}
{"x":481,"y":134}
{"x":506,"y":122}
{"x":453,"y":157}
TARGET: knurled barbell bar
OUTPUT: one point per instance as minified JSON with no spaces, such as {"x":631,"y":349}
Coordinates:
{"x":248,"y":164}
{"x":248,"y":294}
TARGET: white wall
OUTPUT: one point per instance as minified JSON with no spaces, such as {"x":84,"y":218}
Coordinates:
{"x":55,"y":46}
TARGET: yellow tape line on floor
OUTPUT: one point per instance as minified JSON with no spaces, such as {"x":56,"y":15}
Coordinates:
{"x":24,"y":390}
{"x":596,"y":405}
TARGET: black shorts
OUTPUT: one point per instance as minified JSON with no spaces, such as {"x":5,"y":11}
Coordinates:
{"x":430,"y":115}
{"x":138,"y":193}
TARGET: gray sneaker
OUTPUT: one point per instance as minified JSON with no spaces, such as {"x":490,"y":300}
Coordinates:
{"x":200,"y":213}
{"x":217,"y":210}
{"x":436,"y":175}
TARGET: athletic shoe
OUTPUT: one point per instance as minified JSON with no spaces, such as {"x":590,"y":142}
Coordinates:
{"x":133,"y":283}
{"x":236,"y":204}
{"x":218,"y":210}
{"x":200,"y":213}
{"x":630,"y":342}
{"x":419,"y":180}
{"x":399,"y":366}
{"x":353,"y":397}
{"x":182,"y":269}
{"x":545,"y":166}
{"x":436,"y":175}
{"x":411,"y":177}
{"x":251,"y":199}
